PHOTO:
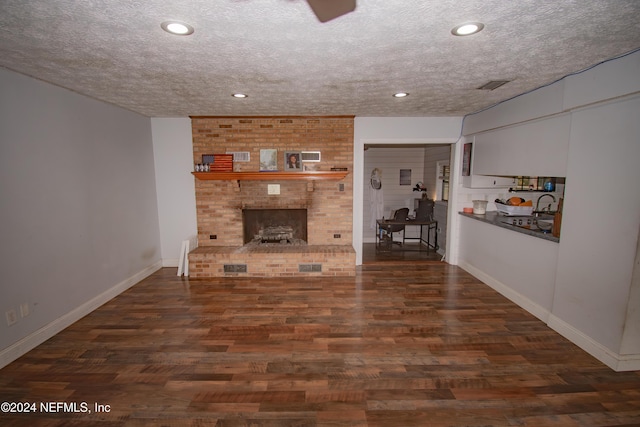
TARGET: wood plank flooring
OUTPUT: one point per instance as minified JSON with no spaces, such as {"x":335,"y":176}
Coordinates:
{"x":409,"y":252}
{"x":413,"y":344}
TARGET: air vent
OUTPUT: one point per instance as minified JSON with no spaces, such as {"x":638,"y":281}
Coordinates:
{"x":310,"y":156}
{"x":235,"y":268}
{"x":240,"y":156}
{"x":494,"y":84}
{"x":309,"y":268}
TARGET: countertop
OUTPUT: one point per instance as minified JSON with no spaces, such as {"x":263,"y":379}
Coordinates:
{"x":494,"y":218}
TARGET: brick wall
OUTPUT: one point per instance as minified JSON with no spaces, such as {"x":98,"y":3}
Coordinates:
{"x":219,"y":204}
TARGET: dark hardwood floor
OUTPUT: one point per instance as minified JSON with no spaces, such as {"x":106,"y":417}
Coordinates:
{"x":410,"y":252}
{"x":401,"y":344}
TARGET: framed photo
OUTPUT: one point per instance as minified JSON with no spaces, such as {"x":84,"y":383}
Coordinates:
{"x":292,"y":161}
{"x":405,"y":176}
{"x":466,"y":159}
{"x":268,"y":160}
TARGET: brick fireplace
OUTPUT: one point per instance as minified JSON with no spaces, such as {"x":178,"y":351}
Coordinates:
{"x":327,"y":203}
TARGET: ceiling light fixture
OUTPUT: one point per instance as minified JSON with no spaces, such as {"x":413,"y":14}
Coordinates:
{"x":400,"y":95}
{"x":177,"y":28}
{"x":467,"y":29}
{"x":240,"y":95}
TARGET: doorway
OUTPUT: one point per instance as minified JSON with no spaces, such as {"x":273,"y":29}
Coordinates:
{"x":408,"y":172}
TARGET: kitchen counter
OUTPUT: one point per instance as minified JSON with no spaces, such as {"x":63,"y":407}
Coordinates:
{"x":494,"y":218}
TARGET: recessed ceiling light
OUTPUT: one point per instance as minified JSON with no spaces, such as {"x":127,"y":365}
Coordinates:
{"x":240,"y":95}
{"x":400,"y":95}
{"x":177,"y":28}
{"x":467,"y":29}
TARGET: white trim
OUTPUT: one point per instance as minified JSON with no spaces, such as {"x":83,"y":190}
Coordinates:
{"x":170,"y":262}
{"x":519,"y":299}
{"x":33,"y":340}
{"x":615,"y":361}
{"x":439,"y":166}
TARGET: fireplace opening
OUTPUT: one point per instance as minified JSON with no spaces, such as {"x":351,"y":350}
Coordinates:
{"x":274,"y":226}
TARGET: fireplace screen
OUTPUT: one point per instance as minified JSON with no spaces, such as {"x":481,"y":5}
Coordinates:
{"x":285,"y":226}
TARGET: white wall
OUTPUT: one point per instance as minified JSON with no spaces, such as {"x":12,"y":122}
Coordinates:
{"x":520,"y":267}
{"x":390,"y":161}
{"x":392,"y":130}
{"x":432,"y":155}
{"x":595,"y":293}
{"x":173,"y":153}
{"x":79,"y":217}
{"x":600,"y":222}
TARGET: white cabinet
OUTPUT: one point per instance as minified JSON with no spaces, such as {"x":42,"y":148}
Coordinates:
{"x":486,"y":181}
{"x":536,"y":148}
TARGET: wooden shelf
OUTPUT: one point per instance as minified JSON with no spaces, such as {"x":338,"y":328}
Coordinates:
{"x":271,"y":176}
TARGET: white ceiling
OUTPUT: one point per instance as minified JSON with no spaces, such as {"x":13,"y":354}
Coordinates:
{"x":289,"y":63}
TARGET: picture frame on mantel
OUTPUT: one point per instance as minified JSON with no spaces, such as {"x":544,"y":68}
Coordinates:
{"x":292,"y":161}
{"x":466,"y":159}
{"x":268,"y":160}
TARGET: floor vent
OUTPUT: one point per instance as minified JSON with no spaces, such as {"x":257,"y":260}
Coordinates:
{"x":235,"y":268}
{"x":309,"y":268}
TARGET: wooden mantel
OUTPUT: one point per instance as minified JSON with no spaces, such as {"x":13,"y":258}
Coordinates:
{"x":271,"y":176}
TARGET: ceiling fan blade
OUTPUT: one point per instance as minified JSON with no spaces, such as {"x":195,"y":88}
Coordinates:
{"x":326,"y":10}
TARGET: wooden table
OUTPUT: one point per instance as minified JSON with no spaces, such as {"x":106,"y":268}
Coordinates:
{"x":384,"y":238}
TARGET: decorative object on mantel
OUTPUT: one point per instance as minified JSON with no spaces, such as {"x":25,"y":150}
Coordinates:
{"x":201,"y":167}
{"x":216,"y":163}
{"x":268,"y":160}
{"x":339,"y":169}
{"x":292,"y":161}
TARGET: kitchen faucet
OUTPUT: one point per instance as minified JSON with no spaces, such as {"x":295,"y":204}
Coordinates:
{"x":548,"y":207}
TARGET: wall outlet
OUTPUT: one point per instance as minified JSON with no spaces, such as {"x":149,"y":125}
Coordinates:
{"x":24,"y":310}
{"x":12,"y":317}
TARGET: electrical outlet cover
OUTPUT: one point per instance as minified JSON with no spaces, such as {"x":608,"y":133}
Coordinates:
{"x":12,"y":317}
{"x":24,"y":309}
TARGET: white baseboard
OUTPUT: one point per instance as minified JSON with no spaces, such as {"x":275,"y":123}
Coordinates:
{"x":33,"y":340}
{"x":615,"y":361}
{"x":524,"y":302}
{"x":171,"y":262}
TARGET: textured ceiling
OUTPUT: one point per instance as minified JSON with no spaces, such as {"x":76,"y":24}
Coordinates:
{"x":288,"y":63}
